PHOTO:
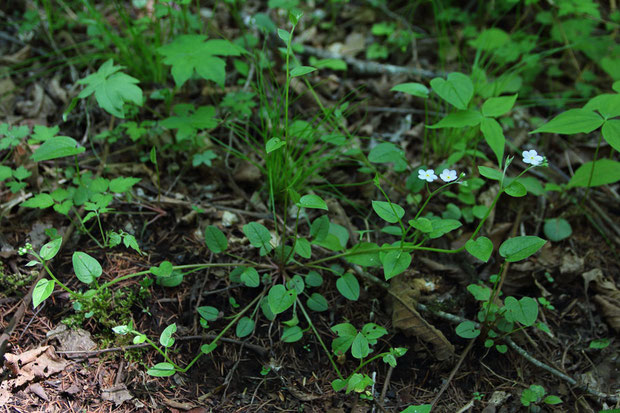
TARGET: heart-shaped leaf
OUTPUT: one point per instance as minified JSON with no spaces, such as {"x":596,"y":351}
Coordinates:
{"x":519,"y":248}
{"x":280,"y":299}
{"x":457,"y":90}
{"x":482,"y":248}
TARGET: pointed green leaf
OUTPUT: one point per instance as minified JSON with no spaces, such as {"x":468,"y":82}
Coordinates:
{"x":498,"y":106}
{"x":572,"y":121}
{"x":274,"y":144}
{"x":605,"y":172}
{"x":57,"y":147}
{"x":42,"y":291}
{"x":280,"y":299}
{"x":165,"y":338}
{"x":520,"y":248}
{"x":390,"y":212}
{"x":415,"y":89}
{"x":49,"y":250}
{"x":395,"y":262}
{"x":459,"y":119}
{"x":494,"y":136}
{"x":215,"y":239}
{"x":312,"y":201}
{"x":87,"y":269}
{"x":302,"y":70}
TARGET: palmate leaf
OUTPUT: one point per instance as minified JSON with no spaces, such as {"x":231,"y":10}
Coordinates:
{"x":112,"y":88}
{"x":194,"y":53}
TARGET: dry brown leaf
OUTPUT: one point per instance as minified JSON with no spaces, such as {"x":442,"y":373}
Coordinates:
{"x":72,"y":340}
{"x":608,"y":297}
{"x":406,"y":318}
{"x":117,"y":394}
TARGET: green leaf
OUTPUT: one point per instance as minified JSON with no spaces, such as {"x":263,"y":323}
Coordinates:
{"x":467,"y":329}
{"x":365,"y":254}
{"x":395,"y":262}
{"x":284,"y":35}
{"x":42,"y":291}
{"x":423,"y":408}
{"x":599,"y":343}
{"x":87,"y":269}
{"x":572,"y":121}
{"x":291,"y":334}
{"x":204,"y":158}
{"x":516,"y":189}
{"x":112,"y":89}
{"x":208,"y":348}
{"x":303,"y":248}
{"x":312,"y":201}
{"x":245,"y":326}
{"x":459,"y":119}
{"x":189,"y":120}
{"x":491,"y":39}
{"x":490,"y":173}
{"x":346,"y":334}
{"x":359,"y":347}
{"x":494,"y":135}
{"x":390,"y":212}
{"x":280,"y":299}
{"x":49,"y":250}
{"x":250,"y":277}
{"x":385,"y":152}
{"x":57,"y":147}
{"x":443,"y":226}
{"x":415,"y":89}
{"x":320,"y":228}
{"x":525,"y":310}
{"x":259,"y":237}
{"x":422,"y":224}
{"x":215,"y":239}
{"x":316,"y":302}
{"x":302,"y":70}
{"x":482,"y":248}
{"x":163,"y":270}
{"x":208,"y":313}
{"x":498,"y":106}
{"x":161,"y":370}
{"x":41,"y":201}
{"x":552,"y":400}
{"x":480,"y":292}
{"x":314,"y":279}
{"x":605,"y":172}
{"x":457,"y":90}
{"x":339,"y":384}
{"x":193,"y":53}
{"x":557,"y":229}
{"x":274,"y":144}
{"x":121,"y":185}
{"x":608,"y":105}
{"x":166,"y":338}
{"x":348,"y":286}
{"x":5,"y":172}
{"x":611,"y":133}
{"x":520,"y":248}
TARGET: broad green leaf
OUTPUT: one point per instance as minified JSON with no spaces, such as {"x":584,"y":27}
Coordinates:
{"x":395,"y":262}
{"x":520,"y":248}
{"x":480,"y":292}
{"x":572,"y":121}
{"x":215,"y":239}
{"x":525,"y":310}
{"x":494,"y":135}
{"x":259,"y":237}
{"x":490,"y":173}
{"x":443,"y":226}
{"x":316,"y":302}
{"x":459,"y":119}
{"x":208,"y":313}
{"x":291,"y":334}
{"x":385,"y":152}
{"x":498,"y":106}
{"x":348,"y":286}
{"x":49,"y":250}
{"x":346,"y":334}
{"x":359,"y":347}
{"x":41,"y":201}
{"x":303,"y":248}
{"x":599,"y":343}
{"x":390,"y":212}
{"x":250,"y":277}
{"x":302,"y":70}
{"x":422,"y":224}
{"x":423,"y":408}
{"x":320,"y":228}
{"x":42,"y":291}
{"x":87,"y":269}
{"x":557,"y":229}
{"x":284,"y":35}
{"x":166,"y":339}
{"x":608,"y":105}
{"x":193,"y":53}
{"x":161,"y":370}
{"x":274,"y":144}
{"x":365,"y":254}
{"x":611,"y":133}
{"x":336,"y":239}
{"x":457,"y":90}
{"x":280,"y":299}
{"x":415,"y":89}
{"x":188,"y":120}
{"x":605,"y":172}
{"x":296,"y":283}
{"x":482,"y":248}
{"x":5,"y":172}
{"x":245,"y":326}
{"x":339,"y":384}
{"x":552,"y":400}
{"x":112,"y":89}
{"x":490,"y":39}
{"x":123,"y":184}
{"x":312,"y":201}
{"x":516,"y":189}
{"x":373,"y":332}
{"x":467,"y":329}
{"x":208,"y":348}
{"x":163,"y":270}
{"x":57,"y":147}
{"x":314,"y":279}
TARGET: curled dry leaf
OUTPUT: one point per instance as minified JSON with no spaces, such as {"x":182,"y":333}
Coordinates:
{"x":607,"y":297}
{"x":406,"y":318}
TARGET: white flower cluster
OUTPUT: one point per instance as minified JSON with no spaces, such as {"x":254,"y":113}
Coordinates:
{"x":447,"y":175}
{"x":532,"y":157}
{"x":24,"y":250}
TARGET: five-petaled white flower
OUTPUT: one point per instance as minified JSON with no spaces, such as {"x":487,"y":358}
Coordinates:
{"x":428,"y":175}
{"x":448,"y":175}
{"x":532,"y":157}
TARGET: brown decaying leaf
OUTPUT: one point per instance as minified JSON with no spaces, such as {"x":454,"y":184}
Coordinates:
{"x":405,"y":317}
{"x":608,"y":297}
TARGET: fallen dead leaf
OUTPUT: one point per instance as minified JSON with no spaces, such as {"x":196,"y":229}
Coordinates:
{"x":117,"y":394}
{"x":72,"y":340}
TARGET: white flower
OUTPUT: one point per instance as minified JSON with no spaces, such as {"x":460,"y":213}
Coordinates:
{"x":428,"y":176}
{"x":532,"y":157}
{"x":448,"y":175}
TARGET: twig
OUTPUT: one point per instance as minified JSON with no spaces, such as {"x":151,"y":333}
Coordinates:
{"x":453,"y":372}
{"x":370,"y":68}
{"x":262,"y":351}
{"x":386,"y":384}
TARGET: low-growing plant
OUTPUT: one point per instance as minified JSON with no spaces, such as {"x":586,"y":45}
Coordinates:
{"x":535,"y":395}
